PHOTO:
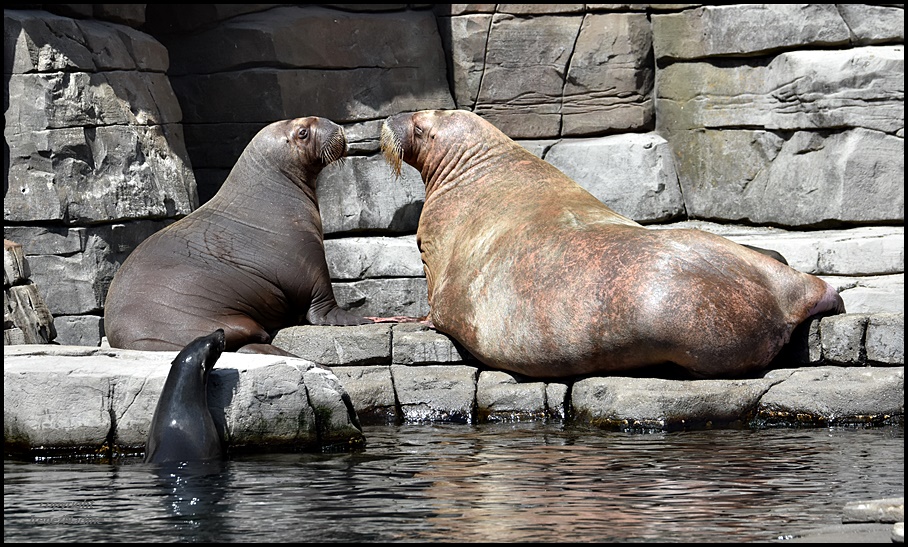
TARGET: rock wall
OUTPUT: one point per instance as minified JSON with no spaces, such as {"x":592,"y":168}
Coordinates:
{"x":26,"y":318}
{"x":121,"y":118}
{"x":95,"y":156}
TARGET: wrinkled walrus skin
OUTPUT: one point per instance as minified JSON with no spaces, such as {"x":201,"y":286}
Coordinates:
{"x":250,"y":261}
{"x":534,"y":275}
{"x":182,"y":429}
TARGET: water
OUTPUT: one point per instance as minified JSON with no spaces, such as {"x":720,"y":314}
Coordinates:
{"x":460,"y":483}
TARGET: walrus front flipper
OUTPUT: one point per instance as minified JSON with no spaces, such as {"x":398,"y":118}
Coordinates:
{"x":403,"y":319}
{"x":324,"y":309}
{"x":336,"y":316}
{"x":182,"y":429}
{"x":265,"y":349}
{"x":768,"y":252}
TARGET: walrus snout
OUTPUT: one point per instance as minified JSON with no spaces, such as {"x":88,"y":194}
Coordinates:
{"x":335,"y":141}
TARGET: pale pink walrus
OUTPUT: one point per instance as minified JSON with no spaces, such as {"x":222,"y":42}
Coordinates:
{"x":534,"y":275}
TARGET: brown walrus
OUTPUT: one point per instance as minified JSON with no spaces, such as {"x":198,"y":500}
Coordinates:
{"x":250,"y":261}
{"x":534,"y":275}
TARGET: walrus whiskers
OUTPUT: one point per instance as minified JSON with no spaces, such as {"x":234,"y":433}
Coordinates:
{"x":391,"y":148}
{"x":335,"y":147}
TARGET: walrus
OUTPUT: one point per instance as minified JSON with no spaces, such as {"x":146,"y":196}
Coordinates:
{"x":534,"y":275}
{"x":250,"y":261}
{"x":182,"y":429}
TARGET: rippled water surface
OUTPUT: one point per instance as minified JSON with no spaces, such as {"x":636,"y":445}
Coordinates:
{"x":491,"y":482}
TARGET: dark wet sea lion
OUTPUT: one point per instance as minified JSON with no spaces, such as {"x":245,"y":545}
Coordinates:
{"x":182,"y":429}
{"x":534,"y":275}
{"x":250,"y":261}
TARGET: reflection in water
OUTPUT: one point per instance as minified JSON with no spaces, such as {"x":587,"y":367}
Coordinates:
{"x":192,"y":495}
{"x":662,"y":487}
{"x":492,"y":482}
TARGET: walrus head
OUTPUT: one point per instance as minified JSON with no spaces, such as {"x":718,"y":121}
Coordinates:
{"x":299,"y":148}
{"x":320,"y":136}
{"x":314,"y":141}
{"x":404,"y":136}
{"x":430,"y":139}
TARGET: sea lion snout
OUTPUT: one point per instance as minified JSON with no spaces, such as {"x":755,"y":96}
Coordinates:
{"x":217,"y":343}
{"x":210,"y":346}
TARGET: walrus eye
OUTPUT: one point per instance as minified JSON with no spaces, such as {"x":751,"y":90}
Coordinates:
{"x":303,"y":133}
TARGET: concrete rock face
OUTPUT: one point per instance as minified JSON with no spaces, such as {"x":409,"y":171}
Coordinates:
{"x":839,"y":370}
{"x":93,"y":130}
{"x":780,"y":126}
{"x":26,"y":318}
{"x":845,"y":148}
{"x":94,"y":142}
{"x":807,"y":110}
{"x":590,"y":70}
{"x":102,"y":401}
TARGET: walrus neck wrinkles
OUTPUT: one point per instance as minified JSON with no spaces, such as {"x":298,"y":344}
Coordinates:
{"x":290,"y":173}
{"x":253,"y":168}
{"x":254,"y":186}
{"x":459,"y":165}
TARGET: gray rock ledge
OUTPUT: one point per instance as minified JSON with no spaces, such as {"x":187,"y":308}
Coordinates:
{"x":98,"y":402}
{"x":841,"y":370}
{"x":872,"y":521}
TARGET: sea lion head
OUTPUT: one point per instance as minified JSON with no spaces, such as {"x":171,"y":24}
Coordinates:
{"x":203,"y":352}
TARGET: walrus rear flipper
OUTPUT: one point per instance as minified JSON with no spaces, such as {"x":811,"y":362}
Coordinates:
{"x":768,"y":252}
{"x":830,"y":304}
